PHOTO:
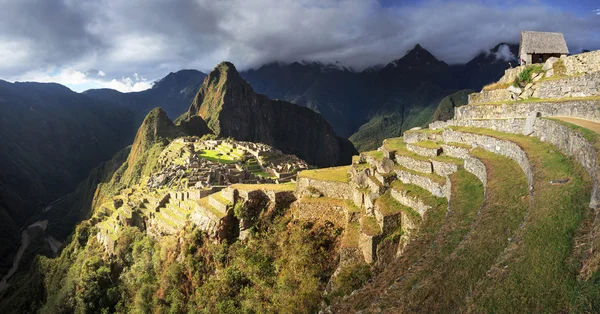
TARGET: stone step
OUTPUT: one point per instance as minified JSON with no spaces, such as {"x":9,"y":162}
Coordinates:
{"x":425,"y":148}
{"x":166,"y":223}
{"x":207,"y":209}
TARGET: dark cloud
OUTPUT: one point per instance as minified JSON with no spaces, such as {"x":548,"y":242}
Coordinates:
{"x":43,"y":38}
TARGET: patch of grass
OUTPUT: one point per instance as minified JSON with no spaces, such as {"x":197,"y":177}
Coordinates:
{"x":370,"y":226}
{"x":495,"y":86}
{"x":395,"y":143}
{"x":559,"y":68}
{"x":216,"y":156}
{"x":388,"y":206}
{"x":418,"y":192}
{"x":336,"y":174}
{"x":351,"y":234}
{"x":427,"y":144}
{"x":375,"y":154}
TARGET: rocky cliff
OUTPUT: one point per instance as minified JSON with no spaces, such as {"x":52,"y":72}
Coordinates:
{"x":231,"y":108}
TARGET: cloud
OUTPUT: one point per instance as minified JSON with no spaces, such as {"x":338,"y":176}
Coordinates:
{"x":597,"y":11}
{"x":504,"y":54}
{"x":155,"y":37}
{"x":91,"y":79}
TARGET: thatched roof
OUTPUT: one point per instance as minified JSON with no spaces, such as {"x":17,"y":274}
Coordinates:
{"x":542,"y":42}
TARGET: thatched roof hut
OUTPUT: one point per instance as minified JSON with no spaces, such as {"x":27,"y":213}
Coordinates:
{"x":537,"y":47}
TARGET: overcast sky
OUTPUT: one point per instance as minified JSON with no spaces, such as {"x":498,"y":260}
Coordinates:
{"x":128,"y":44}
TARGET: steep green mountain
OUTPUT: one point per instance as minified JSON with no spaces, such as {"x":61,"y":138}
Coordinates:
{"x":445,"y":110}
{"x":50,"y":138}
{"x":231,"y":108}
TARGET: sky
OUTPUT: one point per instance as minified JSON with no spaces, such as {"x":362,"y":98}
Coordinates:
{"x":128,"y":44}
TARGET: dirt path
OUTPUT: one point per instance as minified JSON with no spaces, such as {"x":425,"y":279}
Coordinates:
{"x":594,"y":126}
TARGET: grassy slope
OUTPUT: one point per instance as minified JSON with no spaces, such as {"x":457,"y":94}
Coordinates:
{"x":538,"y":271}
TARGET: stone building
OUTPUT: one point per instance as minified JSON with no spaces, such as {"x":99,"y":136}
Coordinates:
{"x":537,"y":47}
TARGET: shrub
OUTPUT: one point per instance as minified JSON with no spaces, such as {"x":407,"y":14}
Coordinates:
{"x":351,"y":278}
{"x":524,"y":77}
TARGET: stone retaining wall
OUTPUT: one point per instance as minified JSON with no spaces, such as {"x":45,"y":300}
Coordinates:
{"x":588,"y":62}
{"x":423,"y":166}
{"x":331,"y":189}
{"x":568,"y":141}
{"x":587,"y":85}
{"x":409,"y":201}
{"x":423,"y":151}
{"x":489,"y":96}
{"x":583,"y":109}
{"x":496,"y":146}
{"x":477,"y":168}
{"x":437,"y":189}
{"x":416,"y":136}
{"x":320,"y":210}
{"x":456,"y":152}
{"x":444,"y":168}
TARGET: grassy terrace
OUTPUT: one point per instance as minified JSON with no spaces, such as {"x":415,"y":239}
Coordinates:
{"x":434,"y":177}
{"x":351,"y":235}
{"x":536,"y":100}
{"x":467,"y":199}
{"x":369,"y":225}
{"x":418,"y":192}
{"x":204,"y":204}
{"x":479,"y":245}
{"x":336,"y":174}
{"x":397,"y":144}
{"x":375,"y":154}
{"x":427,"y":144}
{"x":432,"y":222}
{"x":589,"y":135}
{"x":428,"y":131}
{"x":542,"y":267}
{"x":267,"y":187}
{"x":389,"y":206}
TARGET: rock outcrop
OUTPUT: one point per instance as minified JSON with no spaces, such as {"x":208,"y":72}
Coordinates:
{"x":231,"y":108}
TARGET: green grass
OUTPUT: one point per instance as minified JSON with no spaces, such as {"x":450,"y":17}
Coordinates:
{"x":204,"y":204}
{"x":542,"y":269}
{"x":388,"y":206}
{"x":375,"y":154}
{"x":418,"y":192}
{"x":336,"y":174}
{"x":351,"y":235}
{"x":215,"y":157}
{"x":370,"y":226}
{"x":427,"y":131}
{"x":506,"y":203}
{"x":427,"y":144}
{"x":541,"y":265}
{"x":393,"y":144}
{"x":467,"y":199}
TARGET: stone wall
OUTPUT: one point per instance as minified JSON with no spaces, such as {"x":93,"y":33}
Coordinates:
{"x":413,"y":202}
{"x":496,"y":146}
{"x":320,"y":209}
{"x":490,"y":96}
{"x":588,"y":110}
{"x":331,"y":189}
{"x":511,"y":74}
{"x":586,"y":85}
{"x":413,"y":136}
{"x":423,"y":166}
{"x":477,"y":168}
{"x":588,"y":62}
{"x":433,"y":187}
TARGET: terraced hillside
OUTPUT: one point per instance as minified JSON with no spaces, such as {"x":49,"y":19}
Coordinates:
{"x":519,"y":231}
